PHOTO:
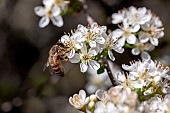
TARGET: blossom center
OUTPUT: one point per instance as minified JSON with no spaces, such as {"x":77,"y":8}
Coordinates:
{"x":49,"y":12}
{"x":151,"y":32}
{"x":86,"y":57}
{"x":143,"y":76}
{"x":70,"y":44}
{"x":77,"y":100}
{"x":126,"y":33}
{"x":90,"y":36}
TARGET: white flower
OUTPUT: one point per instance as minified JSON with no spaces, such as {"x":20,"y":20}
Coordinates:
{"x":114,"y":94}
{"x":102,"y":95}
{"x":143,"y":49}
{"x":152,"y":31}
{"x":142,"y":73}
{"x":105,"y":108}
{"x":127,"y":32}
{"x":79,"y":100}
{"x":74,"y":42}
{"x":156,"y":105}
{"x":123,"y":79}
{"x":133,"y":16}
{"x":49,"y":11}
{"x":118,"y":17}
{"x":138,"y":16}
{"x":86,"y":59}
{"x":111,"y":43}
{"x":93,"y":34}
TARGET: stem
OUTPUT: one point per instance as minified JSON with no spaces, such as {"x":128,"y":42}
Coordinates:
{"x":106,"y":65}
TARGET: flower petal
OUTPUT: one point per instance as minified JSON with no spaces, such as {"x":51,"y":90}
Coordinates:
{"x":154,"y":41}
{"x":137,"y":84}
{"x":142,"y":10}
{"x":56,"y":10}
{"x":83,"y":67}
{"x":145,"y":27}
{"x":111,"y":56}
{"x":82,"y":29}
{"x":57,"y":21}
{"x":48,"y":3}
{"x":100,"y":40}
{"x":75,"y":58}
{"x":78,"y":36}
{"x":84,"y":49}
{"x":82,"y":94}
{"x":111,"y":107}
{"x":71,"y":54}
{"x":145,"y":56}
{"x":135,"y":28}
{"x":99,"y":94}
{"x":119,"y":49}
{"x":71,"y":102}
{"x":120,"y":77}
{"x":44,"y":22}
{"x":92,"y":52}
{"x":161,"y":34}
{"x":121,"y":41}
{"x":65,"y":39}
{"x":126,"y":67}
{"x":143,"y":37}
{"x":135,"y":51}
{"x":87,"y":100}
{"x":117,"y":18}
{"x":131,"y":39}
{"x":78,"y":45}
{"x":117,"y":33}
{"x":94,"y":25}
{"x":92,"y":43}
{"x":39,"y":10}
{"x":149,"y":47}
{"x":103,"y":29}
{"x":145,"y":19}
{"x":94,"y":64}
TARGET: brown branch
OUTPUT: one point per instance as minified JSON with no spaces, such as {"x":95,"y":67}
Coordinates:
{"x":107,"y":67}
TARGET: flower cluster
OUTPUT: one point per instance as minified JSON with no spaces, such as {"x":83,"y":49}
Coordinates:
{"x":145,"y":77}
{"x":157,"y":104}
{"x":89,"y":44}
{"x":51,"y":11}
{"x":115,"y":100}
{"x":145,"y":87}
{"x":119,"y":99}
{"x":139,"y":28}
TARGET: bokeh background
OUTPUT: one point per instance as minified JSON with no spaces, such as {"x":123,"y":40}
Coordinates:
{"x":24,"y":86}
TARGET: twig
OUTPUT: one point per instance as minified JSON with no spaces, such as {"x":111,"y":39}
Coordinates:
{"x":107,"y":67}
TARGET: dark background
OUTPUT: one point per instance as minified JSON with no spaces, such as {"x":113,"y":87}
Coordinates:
{"x":24,"y":86}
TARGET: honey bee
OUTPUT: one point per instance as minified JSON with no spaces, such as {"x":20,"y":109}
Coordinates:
{"x":56,"y":54}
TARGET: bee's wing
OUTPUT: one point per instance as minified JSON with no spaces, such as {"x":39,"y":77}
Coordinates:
{"x":56,"y":73}
{"x":51,"y":70}
{"x":46,"y":65}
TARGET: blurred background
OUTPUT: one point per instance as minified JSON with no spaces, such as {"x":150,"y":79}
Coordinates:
{"x":24,"y":86}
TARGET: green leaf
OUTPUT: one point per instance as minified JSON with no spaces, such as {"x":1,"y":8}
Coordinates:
{"x":100,"y":70}
{"x":101,"y":55}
